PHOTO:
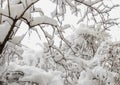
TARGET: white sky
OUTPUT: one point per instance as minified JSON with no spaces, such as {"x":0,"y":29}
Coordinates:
{"x":48,"y":7}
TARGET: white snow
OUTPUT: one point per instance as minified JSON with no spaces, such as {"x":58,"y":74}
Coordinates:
{"x":4,"y":29}
{"x":86,"y":78}
{"x":38,"y":75}
{"x":32,"y":57}
{"x":17,"y":39}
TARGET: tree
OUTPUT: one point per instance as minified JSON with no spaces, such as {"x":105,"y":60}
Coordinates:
{"x":77,"y":56}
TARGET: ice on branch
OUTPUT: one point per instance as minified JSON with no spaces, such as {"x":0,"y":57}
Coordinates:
{"x":43,"y":20}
